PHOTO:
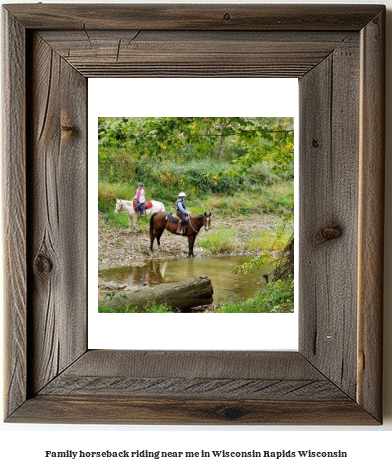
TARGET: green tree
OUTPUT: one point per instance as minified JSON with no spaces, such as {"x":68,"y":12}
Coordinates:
{"x":254,"y":138}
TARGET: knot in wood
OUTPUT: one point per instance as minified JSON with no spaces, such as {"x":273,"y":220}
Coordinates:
{"x":315,"y":143}
{"x":43,"y":264}
{"x":232,"y":413}
{"x":68,"y":128}
{"x":328,"y":233}
{"x":227,"y":16}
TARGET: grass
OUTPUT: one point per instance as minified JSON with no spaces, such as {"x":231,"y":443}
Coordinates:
{"x":220,"y":241}
{"x":116,"y":220}
{"x":276,"y":297}
{"x":152,"y":307}
{"x":271,"y":240}
{"x":108,"y":192}
{"x":259,"y":192}
{"x":237,"y":205}
{"x":274,"y":199}
{"x":226,"y":240}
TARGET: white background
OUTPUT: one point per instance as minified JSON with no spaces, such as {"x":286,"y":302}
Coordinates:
{"x":184,"y":98}
{"x":23,"y":446}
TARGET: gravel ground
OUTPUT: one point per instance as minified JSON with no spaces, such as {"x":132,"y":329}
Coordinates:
{"x":121,"y":247}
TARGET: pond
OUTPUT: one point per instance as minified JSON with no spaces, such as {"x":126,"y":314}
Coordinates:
{"x":228,"y":286}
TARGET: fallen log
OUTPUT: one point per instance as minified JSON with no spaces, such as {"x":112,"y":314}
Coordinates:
{"x":184,"y":294}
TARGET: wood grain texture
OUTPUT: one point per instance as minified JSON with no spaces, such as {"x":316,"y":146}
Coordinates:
{"x":371,"y":216}
{"x":336,"y":376}
{"x":109,"y":410}
{"x":201,"y":387}
{"x":14,"y":208}
{"x":192,"y":387}
{"x":195,"y":17}
{"x":187,"y":374}
{"x":208,"y":364}
{"x":329,"y":98}
{"x":57,"y":215}
{"x":167,"y":53}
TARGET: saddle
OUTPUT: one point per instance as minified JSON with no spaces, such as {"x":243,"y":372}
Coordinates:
{"x":146,"y":205}
{"x":171,"y":217}
{"x":175,"y":219}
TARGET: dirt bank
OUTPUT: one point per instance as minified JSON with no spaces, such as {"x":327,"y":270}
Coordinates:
{"x":121,"y":247}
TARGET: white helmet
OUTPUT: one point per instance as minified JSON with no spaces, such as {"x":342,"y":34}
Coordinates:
{"x":182,"y":195}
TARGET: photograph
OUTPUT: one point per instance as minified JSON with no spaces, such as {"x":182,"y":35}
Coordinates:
{"x":196,"y":214}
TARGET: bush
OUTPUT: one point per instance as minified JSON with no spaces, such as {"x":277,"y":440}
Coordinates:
{"x":108,"y":192}
{"x":194,"y":177}
{"x":258,"y":192}
{"x":118,"y":166}
{"x":261,"y":173}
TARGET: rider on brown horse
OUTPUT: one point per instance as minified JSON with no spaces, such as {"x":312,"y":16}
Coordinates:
{"x":182,"y":212}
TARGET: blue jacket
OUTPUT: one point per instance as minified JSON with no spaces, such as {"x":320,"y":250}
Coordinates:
{"x":181,"y":207}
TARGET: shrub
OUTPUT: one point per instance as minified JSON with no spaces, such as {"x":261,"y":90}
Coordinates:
{"x":118,"y":166}
{"x":261,"y":173}
{"x":108,"y":192}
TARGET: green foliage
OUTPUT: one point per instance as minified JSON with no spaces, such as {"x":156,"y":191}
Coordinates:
{"x":275,"y":199}
{"x":106,"y":309}
{"x":268,"y":240}
{"x":220,"y":241}
{"x":230,"y":166}
{"x":108,"y":192}
{"x":233,"y":165}
{"x":119,"y":220}
{"x":276,"y":297}
{"x":269,"y":243}
{"x":118,"y":166}
{"x":259,"y":192}
{"x":152,"y":307}
{"x":238,"y":140}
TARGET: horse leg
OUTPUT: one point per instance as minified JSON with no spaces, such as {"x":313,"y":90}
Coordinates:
{"x":152,"y":240}
{"x":191,"y":242}
{"x":134,"y":219}
{"x":159,"y":236}
{"x":156,"y":234}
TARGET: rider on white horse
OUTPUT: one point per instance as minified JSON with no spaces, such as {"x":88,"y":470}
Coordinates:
{"x":140,"y":198}
{"x":182,"y":212}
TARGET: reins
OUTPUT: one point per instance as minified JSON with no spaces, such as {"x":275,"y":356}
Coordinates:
{"x":190,"y":223}
{"x":194,"y":230}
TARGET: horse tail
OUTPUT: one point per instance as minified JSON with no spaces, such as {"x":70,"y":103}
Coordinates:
{"x":152,"y":224}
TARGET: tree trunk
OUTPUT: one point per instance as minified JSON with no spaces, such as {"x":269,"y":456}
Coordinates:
{"x":184,"y":294}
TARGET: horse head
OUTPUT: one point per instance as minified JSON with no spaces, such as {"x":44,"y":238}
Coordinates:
{"x":119,"y":205}
{"x":207,"y":221}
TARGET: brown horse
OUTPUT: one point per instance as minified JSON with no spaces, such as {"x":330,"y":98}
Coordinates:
{"x":158,"y":224}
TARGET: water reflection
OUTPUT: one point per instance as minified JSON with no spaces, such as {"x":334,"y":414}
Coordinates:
{"x":228,"y":286}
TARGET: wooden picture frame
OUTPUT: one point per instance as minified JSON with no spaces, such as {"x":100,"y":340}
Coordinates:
{"x":338,"y":54}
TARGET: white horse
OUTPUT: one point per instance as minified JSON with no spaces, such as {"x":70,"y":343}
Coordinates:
{"x":127,"y":206}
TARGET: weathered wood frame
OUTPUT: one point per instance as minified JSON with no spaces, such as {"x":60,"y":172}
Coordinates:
{"x":337,"y":52}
